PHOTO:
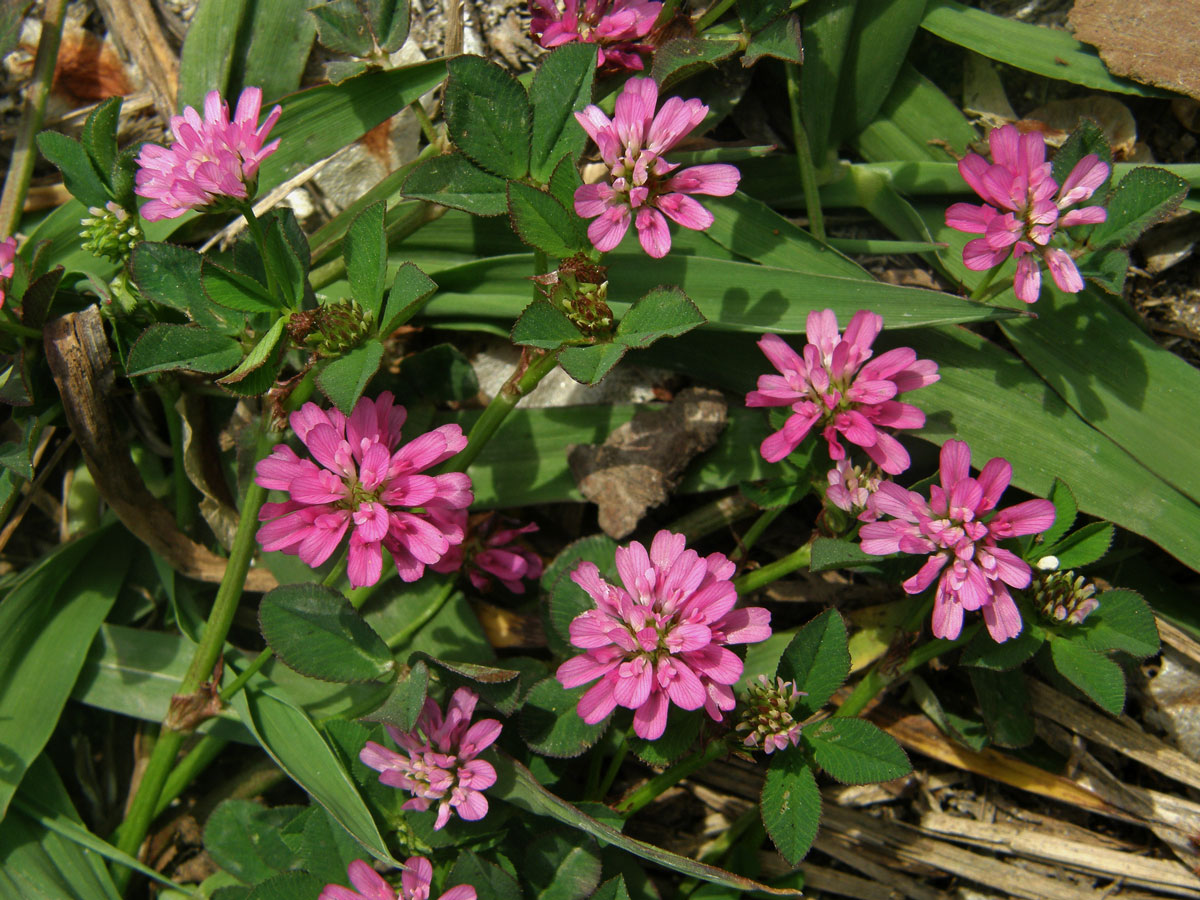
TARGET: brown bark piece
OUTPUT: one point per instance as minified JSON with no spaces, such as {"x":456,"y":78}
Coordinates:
{"x":641,"y":462}
{"x":134,"y":27}
{"x":1154,"y":43}
{"x":78,"y":354}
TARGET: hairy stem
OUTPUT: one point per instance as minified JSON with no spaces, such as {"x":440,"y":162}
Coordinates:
{"x":711,"y":15}
{"x":260,"y":240}
{"x":752,"y":581}
{"x":133,"y":830}
{"x":406,"y":634}
{"x":614,"y":766}
{"x":24,"y":154}
{"x":185,"y":495}
{"x":670,"y":777}
{"x":884,"y":672}
{"x":534,"y":366}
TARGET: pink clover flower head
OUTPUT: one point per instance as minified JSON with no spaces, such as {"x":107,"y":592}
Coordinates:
{"x":958,"y":527}
{"x":8,"y":253}
{"x":660,"y":637}
{"x":439,"y":761}
{"x":851,"y":488}
{"x":1023,"y":206}
{"x":642,"y":187}
{"x":211,"y":160}
{"x":414,"y":884}
{"x":491,"y":550}
{"x":836,"y":386}
{"x":363,"y":483}
{"x":614,"y":26}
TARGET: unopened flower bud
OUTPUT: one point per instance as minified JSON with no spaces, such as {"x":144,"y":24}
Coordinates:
{"x":580,"y":289}
{"x":1063,"y":596}
{"x":335,"y":328}
{"x":767,"y":719}
{"x":110,"y":232}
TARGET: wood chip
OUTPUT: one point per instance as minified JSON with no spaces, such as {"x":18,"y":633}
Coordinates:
{"x":1154,"y":43}
{"x":1035,"y":843}
{"x":1096,"y":726}
{"x":906,"y":843}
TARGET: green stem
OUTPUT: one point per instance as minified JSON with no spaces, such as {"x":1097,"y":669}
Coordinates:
{"x":425,"y":122}
{"x":185,"y":498}
{"x":720,"y":848}
{"x":195,"y":762}
{"x":24,"y":152}
{"x":669,"y":778}
{"x":541,"y":265}
{"x":231,"y":689}
{"x":614,"y":767}
{"x":714,"y":12}
{"x":260,"y":239}
{"x":133,"y":830}
{"x":755,"y":531}
{"x":981,"y":289}
{"x":666,"y":14}
{"x":752,"y":581}
{"x":16,"y":328}
{"x":808,"y":174}
{"x":408,"y":220}
{"x":520,"y":384}
{"x":873,"y":683}
{"x":424,"y":618}
{"x":713,"y":516}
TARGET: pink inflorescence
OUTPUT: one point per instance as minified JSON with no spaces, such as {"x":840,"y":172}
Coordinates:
{"x":851,"y":488}
{"x":1022,"y":211}
{"x":8,"y":253}
{"x":833,"y":385}
{"x":211,"y":159}
{"x":660,"y":639}
{"x":439,"y":763}
{"x":632,"y":144}
{"x":614,"y":26}
{"x":414,"y":884}
{"x":959,"y":529}
{"x":491,"y":551}
{"x":367,"y":484}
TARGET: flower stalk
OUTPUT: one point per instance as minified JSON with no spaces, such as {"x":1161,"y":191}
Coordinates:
{"x":760,"y":578}
{"x":533,"y":367}
{"x":670,"y":777}
{"x":133,"y":830}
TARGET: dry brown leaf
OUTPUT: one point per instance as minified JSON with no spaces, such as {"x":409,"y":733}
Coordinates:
{"x":642,"y":461}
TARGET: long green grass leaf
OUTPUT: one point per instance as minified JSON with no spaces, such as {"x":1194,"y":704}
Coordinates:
{"x":1043,"y":51}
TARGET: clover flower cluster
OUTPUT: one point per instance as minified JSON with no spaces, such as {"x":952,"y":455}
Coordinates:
{"x":212,"y":160}
{"x":835,"y":385}
{"x":439,"y":764}
{"x":958,"y":527}
{"x":614,"y":26}
{"x":661,"y":636}
{"x":638,"y":188}
{"x":1022,"y":209}
{"x":491,"y":551}
{"x":363,"y":482}
{"x":851,"y":488}
{"x":414,"y":884}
